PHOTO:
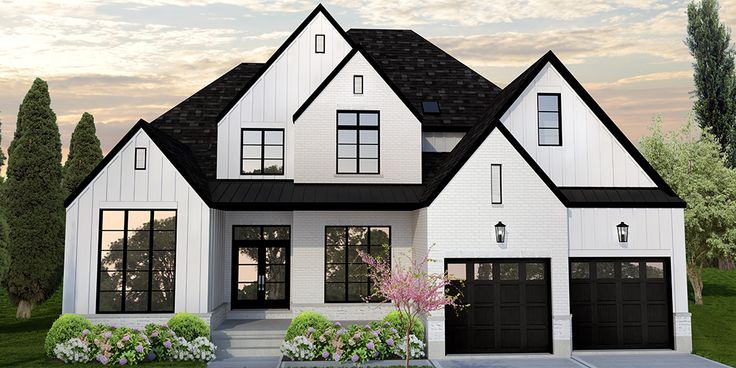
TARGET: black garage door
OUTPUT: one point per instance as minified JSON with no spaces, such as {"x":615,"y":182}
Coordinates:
{"x":620,"y":303}
{"x":509,"y":308}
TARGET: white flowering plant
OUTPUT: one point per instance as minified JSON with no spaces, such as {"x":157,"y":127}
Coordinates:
{"x":199,"y":349}
{"x":416,"y":348}
{"x":299,"y":348}
{"x":74,"y":350}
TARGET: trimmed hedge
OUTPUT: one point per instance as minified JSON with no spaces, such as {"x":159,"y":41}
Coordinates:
{"x":64,"y":328}
{"x":304,"y":321}
{"x":394,"y":319}
{"x":189,"y":326}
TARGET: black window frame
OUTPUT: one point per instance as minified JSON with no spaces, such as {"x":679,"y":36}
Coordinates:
{"x":124,"y":260}
{"x":357,"y":78}
{"x":559,"y":120}
{"x":427,"y":107}
{"x":500,"y":184}
{"x":347,"y":281}
{"x":145,"y":158}
{"x":263,"y":151}
{"x":316,"y":43}
{"x":357,"y":128}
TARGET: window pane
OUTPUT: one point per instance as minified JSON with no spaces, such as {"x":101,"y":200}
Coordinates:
{"x":335,"y":235}
{"x":335,"y":273}
{"x":549,"y":120}
{"x":347,"y":166}
{"x":273,"y":152}
{"x":139,"y":220}
{"x":163,"y":280}
{"x":275,"y":291}
{"x":549,"y":136}
{"x":357,"y":235}
{"x":274,"y":137}
{"x":136,"y":261}
{"x":347,"y":151}
{"x":136,"y":301}
{"x":496,"y":184}
{"x":275,"y":255}
{"x":335,"y":292}
{"x":380,"y":252}
{"x":139,"y":240}
{"x":110,"y":301}
{"x":535,"y":271}
{"x":369,"y":166}
{"x":368,"y":151}
{"x":630,"y":270}
{"x":368,"y":137}
{"x":113,"y":220}
{"x":508,"y":271}
{"x":276,"y":233}
{"x":112,"y":240}
{"x":604,"y":270}
{"x":251,"y":166}
{"x":368,"y":119}
{"x":347,"y":118}
{"x":655,"y":270}
{"x":247,"y":273}
{"x":111,"y":281}
{"x":140,"y":158}
{"x":136,"y":281}
{"x":247,"y":233}
{"x":247,"y":255}
{"x":164,"y":240}
{"x":164,"y":260}
{"x":358,"y":272}
{"x":580,"y":270}
{"x":548,"y":103}
{"x":276,"y":273}
{"x":319,"y":46}
{"x":335,"y":254}
{"x":457,"y":271}
{"x":356,"y":292}
{"x":357,"y":84}
{"x":252,"y":152}
{"x":380,"y":236}
{"x":346,"y":136}
{"x":252,"y":137}
{"x":247,"y":291}
{"x":164,"y":220}
{"x":353,"y":252}
{"x":162,"y":301}
{"x":483,"y":271}
{"x":111,"y":260}
{"x":273,"y":167}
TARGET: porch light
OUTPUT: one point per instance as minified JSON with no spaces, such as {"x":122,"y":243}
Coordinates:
{"x":500,"y":232}
{"x":623,"y":232}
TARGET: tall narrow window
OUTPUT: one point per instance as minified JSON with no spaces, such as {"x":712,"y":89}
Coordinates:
{"x":549,"y":119}
{"x":346,"y":276}
{"x":357,"y":142}
{"x":496,"y":184}
{"x":140,"y":158}
{"x":319,"y":44}
{"x":262,"y":152}
{"x":358,"y":84}
{"x":137,"y":261}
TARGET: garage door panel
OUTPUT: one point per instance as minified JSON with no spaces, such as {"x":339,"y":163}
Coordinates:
{"x":510,"y":315}
{"x":607,"y":313}
{"x":483,"y":294}
{"x":632,"y":335}
{"x":631,"y":292}
{"x":605,"y":292}
{"x":511,"y":338}
{"x":537,"y":339}
{"x":608,"y":335}
{"x":659,"y":334}
{"x":536,"y":293}
{"x":631,"y":313}
{"x":580,"y":292}
{"x":483,"y":315}
{"x":510,"y":293}
{"x":537,"y":315}
{"x":656,"y":292}
{"x":657,"y":313}
{"x":582,"y":312}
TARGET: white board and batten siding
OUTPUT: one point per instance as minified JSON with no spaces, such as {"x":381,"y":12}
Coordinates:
{"x":120,"y":186}
{"x":277,"y":94}
{"x":589,"y":156}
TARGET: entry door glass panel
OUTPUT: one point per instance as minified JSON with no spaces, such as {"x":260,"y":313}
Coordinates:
{"x":260,"y":266}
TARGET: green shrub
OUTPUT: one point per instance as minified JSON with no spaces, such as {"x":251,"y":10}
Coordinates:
{"x":158,"y":335}
{"x":64,"y":328}
{"x":189,"y":326}
{"x":303,"y":321}
{"x":394,"y":319}
{"x":119,"y":346}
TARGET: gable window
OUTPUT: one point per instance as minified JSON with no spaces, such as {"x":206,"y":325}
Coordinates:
{"x":140,"y":158}
{"x":357,"y":142}
{"x":358,"y":84}
{"x":549,"y":119}
{"x":262,"y":152}
{"x":137,"y":259}
{"x":496,"y":186}
{"x":346,"y":276}
{"x":319,"y":44}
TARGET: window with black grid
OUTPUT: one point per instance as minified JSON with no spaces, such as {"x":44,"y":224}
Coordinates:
{"x":358,"y":142}
{"x":262,"y":152}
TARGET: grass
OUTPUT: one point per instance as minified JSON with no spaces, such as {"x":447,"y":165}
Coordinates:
{"x":21,"y":341}
{"x":714,"y":322}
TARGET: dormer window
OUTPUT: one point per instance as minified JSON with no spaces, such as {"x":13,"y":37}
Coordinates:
{"x":549,"y":119}
{"x":140,"y":158}
{"x":319,"y":44}
{"x":358,"y":84}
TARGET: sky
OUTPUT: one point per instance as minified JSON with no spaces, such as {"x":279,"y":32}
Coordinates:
{"x":122,"y":60}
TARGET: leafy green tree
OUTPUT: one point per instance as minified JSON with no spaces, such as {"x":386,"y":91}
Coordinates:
{"x":34,"y":202}
{"x":694,"y":166}
{"x":709,"y":42}
{"x":4,"y":256}
{"x":84,"y":153}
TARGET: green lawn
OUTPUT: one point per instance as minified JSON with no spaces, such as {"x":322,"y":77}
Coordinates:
{"x":21,"y":341}
{"x":714,"y":322}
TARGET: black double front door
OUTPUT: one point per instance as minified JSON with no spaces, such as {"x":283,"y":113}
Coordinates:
{"x":260,"y":267}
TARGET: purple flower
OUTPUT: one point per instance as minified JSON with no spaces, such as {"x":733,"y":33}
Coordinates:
{"x":370,"y":346}
{"x":394,"y":330}
{"x":139,"y":348}
{"x":167,"y":344}
{"x":336,"y":356}
{"x":154,"y":334}
{"x":386,"y":324}
{"x":165,"y":325}
{"x":340,"y":331}
{"x":356,"y":336}
{"x":310,"y":330}
{"x":354,"y":358}
{"x":107,"y":334}
{"x":325,"y":355}
{"x":102,"y":359}
{"x":375,"y":333}
{"x":123,"y":361}
{"x":390,"y":342}
{"x":85,"y":332}
{"x":151,"y":357}
{"x":367,"y":326}
{"x":114,"y":326}
{"x":126,"y":338}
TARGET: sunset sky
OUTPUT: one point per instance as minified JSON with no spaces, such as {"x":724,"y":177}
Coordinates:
{"x":122,"y":60}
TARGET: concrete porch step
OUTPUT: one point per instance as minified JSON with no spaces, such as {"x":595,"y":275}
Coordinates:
{"x":247,"y":352}
{"x":250,"y":338}
{"x":247,"y":342}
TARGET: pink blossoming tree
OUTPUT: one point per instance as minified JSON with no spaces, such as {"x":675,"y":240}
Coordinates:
{"x":413,"y":291}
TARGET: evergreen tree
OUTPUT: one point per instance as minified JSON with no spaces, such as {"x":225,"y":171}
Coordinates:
{"x":34,"y":199}
{"x":84,"y":153}
{"x":709,"y":42}
{"x":4,"y":257}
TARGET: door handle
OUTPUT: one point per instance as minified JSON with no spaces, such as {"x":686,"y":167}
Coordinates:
{"x":261,"y":283}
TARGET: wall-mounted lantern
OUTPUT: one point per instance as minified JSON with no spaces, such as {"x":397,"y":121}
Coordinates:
{"x":623,"y":232}
{"x":500,"y":232}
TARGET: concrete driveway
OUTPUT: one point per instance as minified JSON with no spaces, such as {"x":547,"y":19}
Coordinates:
{"x":638,"y":359}
{"x":530,"y":361}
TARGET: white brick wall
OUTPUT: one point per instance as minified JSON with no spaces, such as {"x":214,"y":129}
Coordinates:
{"x":316,"y":131}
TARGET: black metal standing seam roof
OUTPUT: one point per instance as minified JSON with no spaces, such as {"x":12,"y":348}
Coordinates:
{"x":620,"y":197}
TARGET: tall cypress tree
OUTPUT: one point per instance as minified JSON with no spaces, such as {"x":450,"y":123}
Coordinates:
{"x":709,"y":42}
{"x":4,"y":256}
{"x":34,"y":199}
{"x":84,"y":153}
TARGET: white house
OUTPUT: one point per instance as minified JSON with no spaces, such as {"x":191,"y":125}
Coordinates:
{"x":249,"y":199}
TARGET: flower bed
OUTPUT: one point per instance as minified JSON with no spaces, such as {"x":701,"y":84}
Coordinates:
{"x":352,"y":344}
{"x":110,"y":345}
